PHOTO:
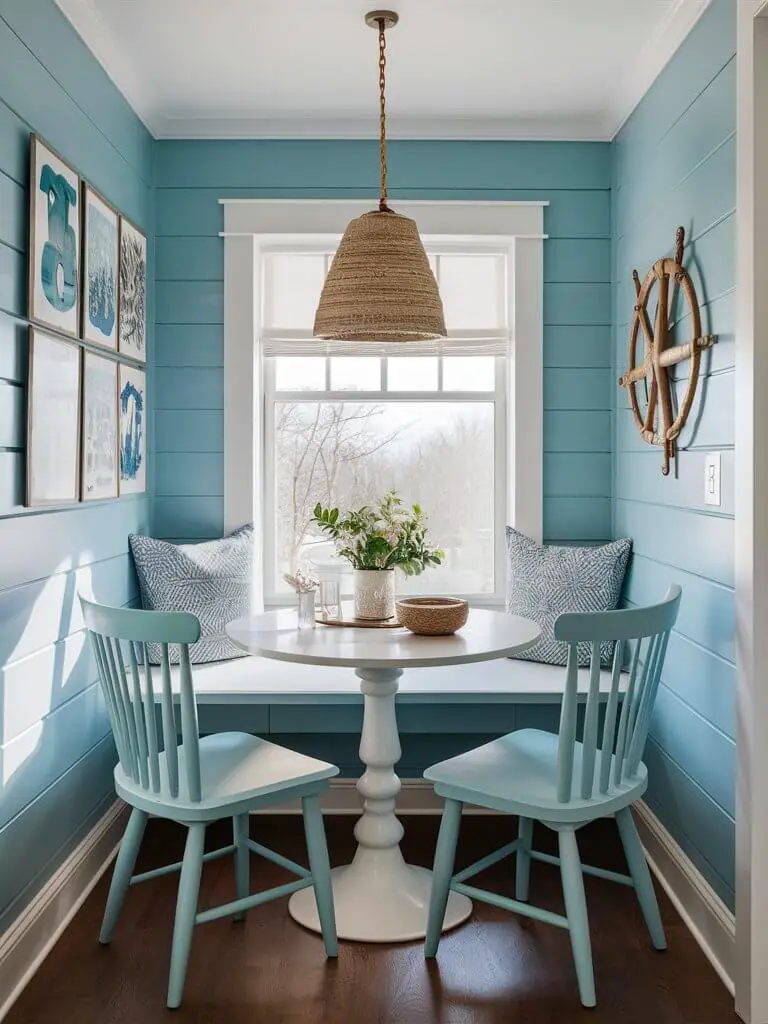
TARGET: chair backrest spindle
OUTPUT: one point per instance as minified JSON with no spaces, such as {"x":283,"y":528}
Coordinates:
{"x":567,"y":741}
{"x":116,"y":635}
{"x":621,"y":743}
{"x":611,"y":713}
{"x":169,"y":723}
{"x":591,"y":718}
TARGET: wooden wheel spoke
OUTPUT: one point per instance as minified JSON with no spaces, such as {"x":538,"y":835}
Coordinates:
{"x":636,"y":375}
{"x":650,"y":415}
{"x":645,"y":323}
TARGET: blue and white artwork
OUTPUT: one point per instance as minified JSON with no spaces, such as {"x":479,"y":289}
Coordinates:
{"x":100,"y":269}
{"x":132,"y":408}
{"x":54,"y":243}
{"x":133,"y":292}
{"x":99,"y":434}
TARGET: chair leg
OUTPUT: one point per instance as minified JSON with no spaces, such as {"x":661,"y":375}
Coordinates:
{"x":186,"y":910}
{"x":240,"y":836}
{"x":319,"y":865}
{"x":641,"y":876}
{"x":523,"y":865}
{"x":576,"y":911}
{"x":442,"y":873}
{"x":121,"y":876}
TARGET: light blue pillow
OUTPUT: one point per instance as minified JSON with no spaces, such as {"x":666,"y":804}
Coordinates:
{"x":544,"y":582}
{"x":211,"y":579}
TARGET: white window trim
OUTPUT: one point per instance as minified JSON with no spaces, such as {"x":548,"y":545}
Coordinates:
{"x":251,"y":225}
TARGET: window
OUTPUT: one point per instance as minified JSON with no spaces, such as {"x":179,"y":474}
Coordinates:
{"x":455,"y":424}
{"x":344,"y":423}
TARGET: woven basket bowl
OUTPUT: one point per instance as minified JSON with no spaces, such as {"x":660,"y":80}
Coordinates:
{"x":432,"y":616}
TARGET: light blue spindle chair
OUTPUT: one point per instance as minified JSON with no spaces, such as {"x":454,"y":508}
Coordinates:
{"x":566,"y":783}
{"x":195,"y":781}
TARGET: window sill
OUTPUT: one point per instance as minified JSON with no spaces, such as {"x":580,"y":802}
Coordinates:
{"x":491,"y":604}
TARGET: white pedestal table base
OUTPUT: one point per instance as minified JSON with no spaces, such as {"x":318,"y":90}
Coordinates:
{"x":388,"y":905}
{"x":378,"y":897}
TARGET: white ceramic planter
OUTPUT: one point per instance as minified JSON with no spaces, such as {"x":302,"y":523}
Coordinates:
{"x":374,"y":593}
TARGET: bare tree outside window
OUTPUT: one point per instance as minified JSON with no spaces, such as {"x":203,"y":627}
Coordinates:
{"x":347,"y":454}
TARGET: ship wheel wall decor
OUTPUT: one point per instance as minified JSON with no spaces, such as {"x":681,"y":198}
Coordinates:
{"x":660,"y":425}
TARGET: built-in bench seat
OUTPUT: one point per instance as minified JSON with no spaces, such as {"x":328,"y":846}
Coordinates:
{"x":440,"y":711}
{"x":254,"y":680}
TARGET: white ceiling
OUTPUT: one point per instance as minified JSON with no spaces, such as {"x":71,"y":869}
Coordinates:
{"x":564,"y":69}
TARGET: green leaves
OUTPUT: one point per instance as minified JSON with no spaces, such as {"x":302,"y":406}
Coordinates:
{"x":325,"y":516}
{"x":384,"y":536}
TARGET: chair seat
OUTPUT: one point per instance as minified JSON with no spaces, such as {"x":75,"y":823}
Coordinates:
{"x":236,"y":769}
{"x":517,"y":773}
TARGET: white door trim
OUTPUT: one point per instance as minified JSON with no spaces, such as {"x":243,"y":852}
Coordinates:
{"x":751,"y":976}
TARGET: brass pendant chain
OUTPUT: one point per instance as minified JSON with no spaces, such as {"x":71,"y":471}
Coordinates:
{"x":383,"y":208}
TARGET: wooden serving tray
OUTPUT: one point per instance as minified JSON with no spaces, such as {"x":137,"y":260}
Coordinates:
{"x":362,"y":623}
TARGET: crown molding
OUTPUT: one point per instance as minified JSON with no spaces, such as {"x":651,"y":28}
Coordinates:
{"x":398,"y":127}
{"x":655,"y":54}
{"x":623,"y":97}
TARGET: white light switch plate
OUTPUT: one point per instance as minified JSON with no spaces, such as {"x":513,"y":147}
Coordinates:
{"x":712,"y":479}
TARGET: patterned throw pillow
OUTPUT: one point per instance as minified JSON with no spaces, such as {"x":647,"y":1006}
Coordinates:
{"x":211,"y":579}
{"x":544,"y":582}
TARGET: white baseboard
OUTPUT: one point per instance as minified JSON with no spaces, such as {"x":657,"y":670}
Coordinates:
{"x":33,"y":934}
{"x":706,"y":916}
{"x":416,"y":796}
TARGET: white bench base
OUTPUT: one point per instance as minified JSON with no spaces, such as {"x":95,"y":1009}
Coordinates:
{"x":254,"y":680}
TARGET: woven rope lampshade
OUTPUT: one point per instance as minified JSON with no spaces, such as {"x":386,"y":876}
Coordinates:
{"x":380,"y":286}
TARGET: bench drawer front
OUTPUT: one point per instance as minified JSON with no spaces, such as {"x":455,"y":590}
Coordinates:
{"x":411,"y":718}
{"x":315,"y":718}
{"x":253,"y":718}
{"x":457,"y":718}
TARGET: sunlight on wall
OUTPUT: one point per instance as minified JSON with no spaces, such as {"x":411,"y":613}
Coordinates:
{"x":36,"y":680}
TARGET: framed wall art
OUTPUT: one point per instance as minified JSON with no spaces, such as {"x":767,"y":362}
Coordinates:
{"x":54,"y":241}
{"x":53,"y":420}
{"x":100,"y":269}
{"x":99,"y":428}
{"x":132,"y":332}
{"x":133,"y":430}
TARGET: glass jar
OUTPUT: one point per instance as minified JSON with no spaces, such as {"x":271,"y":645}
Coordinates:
{"x":330,"y":598}
{"x":306,"y":611}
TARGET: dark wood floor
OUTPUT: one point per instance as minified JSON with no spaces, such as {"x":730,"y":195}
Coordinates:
{"x":495,"y":968}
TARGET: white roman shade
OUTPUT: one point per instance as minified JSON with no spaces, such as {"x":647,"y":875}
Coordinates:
{"x":473,"y":277}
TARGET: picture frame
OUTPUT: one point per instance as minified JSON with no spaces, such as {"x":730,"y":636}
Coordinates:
{"x":99,"y":429}
{"x":100,"y":269}
{"x":132,"y":294}
{"x":54,"y":240}
{"x":53,"y":420}
{"x":132,"y":413}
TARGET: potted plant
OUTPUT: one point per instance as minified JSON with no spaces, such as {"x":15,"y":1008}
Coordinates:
{"x":377,"y":539}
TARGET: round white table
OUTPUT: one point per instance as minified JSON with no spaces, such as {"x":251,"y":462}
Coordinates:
{"x":378,"y":897}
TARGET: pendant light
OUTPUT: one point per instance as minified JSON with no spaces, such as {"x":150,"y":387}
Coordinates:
{"x":380,"y":286}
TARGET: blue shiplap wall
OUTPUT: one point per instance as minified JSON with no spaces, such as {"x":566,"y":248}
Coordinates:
{"x":674,"y":162}
{"x":190,"y":177}
{"x":56,"y":756}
